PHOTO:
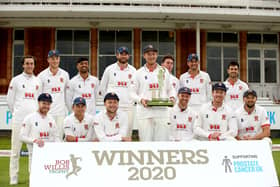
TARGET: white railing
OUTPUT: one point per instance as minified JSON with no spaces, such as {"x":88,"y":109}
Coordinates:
{"x":239,"y":4}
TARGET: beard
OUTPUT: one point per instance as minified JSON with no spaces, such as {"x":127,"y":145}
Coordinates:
{"x":250,"y":105}
{"x":124,"y":61}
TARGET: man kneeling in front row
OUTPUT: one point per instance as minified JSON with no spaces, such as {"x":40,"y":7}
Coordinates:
{"x":39,"y":127}
{"x":253,"y":123}
{"x":111,"y":124}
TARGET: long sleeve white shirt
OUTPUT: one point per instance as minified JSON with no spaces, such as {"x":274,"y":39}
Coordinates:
{"x":36,"y":126}
{"x":109,"y":130}
{"x":22,"y":96}
{"x":212,"y":120}
{"x":200,"y":86}
{"x":118,"y":80}
{"x":86,"y":88}
{"x":182,"y":123}
{"x":82,"y":130}
{"x":56,"y":86}
{"x":234,"y":96}
{"x":144,"y":84}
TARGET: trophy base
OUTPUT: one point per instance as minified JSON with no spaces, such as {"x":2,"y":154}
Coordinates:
{"x":160,"y":102}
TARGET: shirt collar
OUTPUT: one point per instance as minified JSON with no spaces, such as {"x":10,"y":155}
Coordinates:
{"x":50,"y":73}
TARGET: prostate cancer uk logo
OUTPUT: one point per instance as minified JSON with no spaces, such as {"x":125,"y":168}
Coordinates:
{"x":242,"y":164}
{"x":63,"y":166}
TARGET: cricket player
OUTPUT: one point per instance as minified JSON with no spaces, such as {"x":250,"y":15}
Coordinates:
{"x":182,"y":118}
{"x":168,"y":63}
{"x":78,"y":126}
{"x":111,"y":124}
{"x":39,"y":127}
{"x":235,"y":87}
{"x":54,"y":81}
{"x":117,"y":78}
{"x":216,"y":120}
{"x":83,"y":85}
{"x":22,"y":94}
{"x":252,"y":120}
{"x":152,"y":79}
{"x":198,"y":81}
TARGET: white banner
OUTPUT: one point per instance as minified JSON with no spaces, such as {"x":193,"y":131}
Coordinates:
{"x":151,"y":164}
{"x":273,"y":114}
{"x":5,"y":117}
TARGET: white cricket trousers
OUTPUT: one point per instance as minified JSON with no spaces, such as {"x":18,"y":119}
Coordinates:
{"x":16,"y":145}
{"x":153,"y":129}
{"x":59,"y":125}
{"x":130,"y":114}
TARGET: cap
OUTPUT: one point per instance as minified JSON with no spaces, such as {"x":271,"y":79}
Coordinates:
{"x":122,"y":49}
{"x":219,"y":86}
{"x":53,"y":53}
{"x":79,"y":100}
{"x":149,"y":48}
{"x":185,"y":90}
{"x":192,"y":56}
{"x":250,"y":92}
{"x":45,"y":97}
{"x":111,"y":95}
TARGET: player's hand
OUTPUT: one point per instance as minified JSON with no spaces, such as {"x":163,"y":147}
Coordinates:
{"x":126,"y":139}
{"x":144,"y":102}
{"x":39,"y":142}
{"x":95,"y":140}
{"x":173,"y":100}
{"x":215,"y":136}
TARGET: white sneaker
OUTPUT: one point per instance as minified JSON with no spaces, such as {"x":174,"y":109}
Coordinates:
{"x":14,"y":180}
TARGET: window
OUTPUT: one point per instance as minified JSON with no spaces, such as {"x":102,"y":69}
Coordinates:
{"x":109,"y":42}
{"x":164,"y":41}
{"x":72,"y":44}
{"x":262,"y":58}
{"x":222,"y":48}
{"x":18,"y":54}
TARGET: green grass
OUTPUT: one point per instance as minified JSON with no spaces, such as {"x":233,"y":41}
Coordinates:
{"x":276,"y":140}
{"x":24,"y":175}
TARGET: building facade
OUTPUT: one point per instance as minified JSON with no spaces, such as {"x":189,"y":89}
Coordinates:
{"x":246,"y":31}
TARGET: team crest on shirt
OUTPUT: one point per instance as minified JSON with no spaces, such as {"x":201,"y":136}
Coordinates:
{"x":129,"y":76}
{"x":10,"y":87}
{"x":117,"y":126}
{"x":37,"y":87}
{"x":187,"y":81}
{"x":256,"y":118}
{"x":36,"y":124}
{"x":61,"y":79}
{"x":23,"y":125}
{"x":242,"y":120}
{"x":92,"y":85}
{"x":190,"y":119}
{"x":49,"y":81}
{"x":223,"y":117}
{"x":115,"y":74}
{"x":201,"y":81}
{"x":86,"y":126}
{"x":146,"y":77}
{"x":240,"y":87}
{"x":174,"y":117}
{"x":206,"y":116}
{"x":50,"y":124}
{"x":174,"y":84}
{"x":23,"y":86}
{"x":79,"y":86}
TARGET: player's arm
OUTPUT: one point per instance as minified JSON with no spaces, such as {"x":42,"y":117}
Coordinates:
{"x":67,"y":82}
{"x":134,"y":89}
{"x":25,"y":132}
{"x":233,"y":129}
{"x":96,"y":88}
{"x":208,"y":88}
{"x":11,"y":95}
{"x":265,"y":127}
{"x":104,"y":83}
{"x":69,"y":95}
{"x":170,"y":89}
{"x":69,"y":135}
{"x":198,"y":129}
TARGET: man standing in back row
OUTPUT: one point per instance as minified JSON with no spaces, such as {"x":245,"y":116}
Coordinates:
{"x":198,"y":81}
{"x":235,"y":87}
{"x":150,"y":80}
{"x":83,"y":85}
{"x":117,"y":78}
{"x":22,"y":100}
{"x":54,"y":81}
